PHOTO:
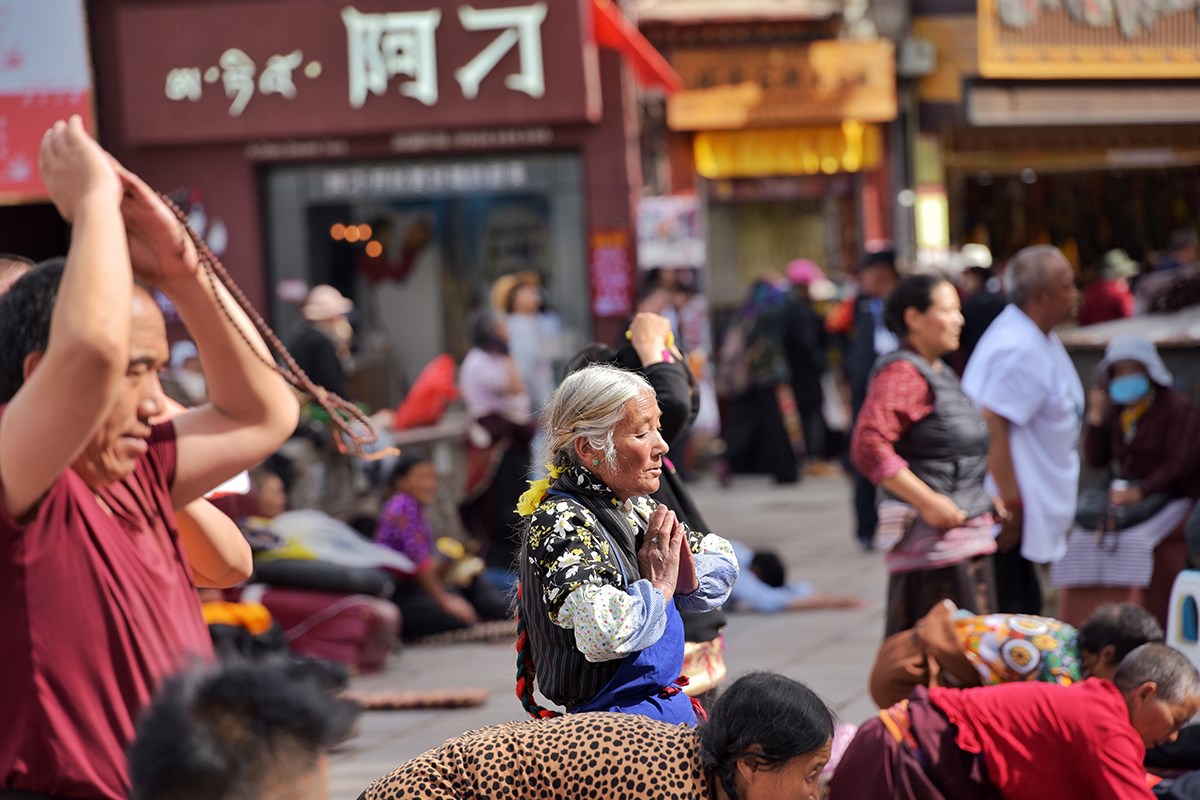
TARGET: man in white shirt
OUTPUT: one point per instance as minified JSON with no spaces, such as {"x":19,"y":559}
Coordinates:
{"x":1023,"y":381}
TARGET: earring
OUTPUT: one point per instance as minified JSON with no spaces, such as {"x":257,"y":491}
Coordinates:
{"x":595,"y":462}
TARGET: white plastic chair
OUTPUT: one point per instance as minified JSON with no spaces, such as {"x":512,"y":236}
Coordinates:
{"x":1183,"y":616}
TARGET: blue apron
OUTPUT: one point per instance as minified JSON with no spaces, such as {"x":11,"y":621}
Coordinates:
{"x":645,"y":681}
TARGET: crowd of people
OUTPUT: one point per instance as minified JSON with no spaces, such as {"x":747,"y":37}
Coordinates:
{"x":580,"y":527}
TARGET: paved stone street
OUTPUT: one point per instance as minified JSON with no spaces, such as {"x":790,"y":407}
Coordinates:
{"x":831,"y":651}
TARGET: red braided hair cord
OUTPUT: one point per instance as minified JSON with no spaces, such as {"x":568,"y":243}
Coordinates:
{"x":525,"y":670}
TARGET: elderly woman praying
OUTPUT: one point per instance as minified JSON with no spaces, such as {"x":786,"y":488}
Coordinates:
{"x":600,"y":561}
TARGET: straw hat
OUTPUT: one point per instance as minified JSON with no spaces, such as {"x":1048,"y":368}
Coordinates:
{"x":324,"y":303}
{"x":1118,"y":264}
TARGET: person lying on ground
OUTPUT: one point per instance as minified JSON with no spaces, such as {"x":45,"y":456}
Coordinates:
{"x":762,"y":586}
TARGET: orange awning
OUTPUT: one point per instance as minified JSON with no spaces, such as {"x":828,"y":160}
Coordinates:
{"x":615,"y":31}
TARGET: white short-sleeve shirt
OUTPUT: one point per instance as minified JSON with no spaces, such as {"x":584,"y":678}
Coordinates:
{"x":1027,"y":377}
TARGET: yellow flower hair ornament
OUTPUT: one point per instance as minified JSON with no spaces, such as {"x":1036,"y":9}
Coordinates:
{"x":532,"y":497}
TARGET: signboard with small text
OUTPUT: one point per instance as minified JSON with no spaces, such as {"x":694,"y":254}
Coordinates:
{"x":303,"y":68}
{"x":44,"y":77}
{"x":611,"y":273}
{"x":821,"y":82}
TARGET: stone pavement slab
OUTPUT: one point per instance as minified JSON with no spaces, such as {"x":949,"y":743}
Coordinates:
{"x":809,"y":525}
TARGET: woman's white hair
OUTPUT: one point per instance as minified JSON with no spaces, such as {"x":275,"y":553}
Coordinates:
{"x":589,"y":404}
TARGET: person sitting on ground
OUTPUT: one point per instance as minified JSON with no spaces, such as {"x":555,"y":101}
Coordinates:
{"x":89,"y":484}
{"x":954,"y":648}
{"x":427,"y":604}
{"x":1023,"y":740}
{"x":1140,"y":430}
{"x":743,"y":752}
{"x":247,"y":730}
{"x":601,"y":561}
{"x":762,"y":586}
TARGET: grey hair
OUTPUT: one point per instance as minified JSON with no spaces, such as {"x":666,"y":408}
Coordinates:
{"x":1173,"y":673}
{"x":1027,"y":272}
{"x":589,"y":403}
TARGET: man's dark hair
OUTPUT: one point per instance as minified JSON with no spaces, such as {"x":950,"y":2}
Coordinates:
{"x":885,"y":258}
{"x":765,"y":719}
{"x":234,"y":733}
{"x":25,"y":312}
{"x":768,"y":566}
{"x":1125,"y":626}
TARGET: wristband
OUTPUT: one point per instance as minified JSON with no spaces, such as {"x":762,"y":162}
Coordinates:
{"x":1010,"y":504}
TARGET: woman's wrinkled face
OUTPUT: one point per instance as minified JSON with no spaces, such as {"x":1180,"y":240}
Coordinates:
{"x":639,"y":449}
{"x":795,"y":779}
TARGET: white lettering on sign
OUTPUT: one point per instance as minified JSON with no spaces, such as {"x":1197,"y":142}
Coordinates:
{"x":522,"y":26}
{"x":276,"y":77}
{"x":237,"y":74}
{"x":382,"y":46}
{"x":184,"y":84}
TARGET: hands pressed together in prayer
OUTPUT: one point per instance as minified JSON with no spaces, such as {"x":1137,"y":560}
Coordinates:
{"x":665,"y":559}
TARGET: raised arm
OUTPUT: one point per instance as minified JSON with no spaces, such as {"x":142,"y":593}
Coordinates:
{"x":251,"y":410}
{"x":49,"y":419}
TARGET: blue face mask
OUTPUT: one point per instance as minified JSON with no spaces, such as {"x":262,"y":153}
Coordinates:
{"x":1128,"y":389}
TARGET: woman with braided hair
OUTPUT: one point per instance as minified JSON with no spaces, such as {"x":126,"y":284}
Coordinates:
{"x":600,"y":561}
{"x":767,"y":737}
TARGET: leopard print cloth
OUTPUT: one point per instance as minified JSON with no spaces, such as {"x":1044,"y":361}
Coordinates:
{"x":597,"y":755}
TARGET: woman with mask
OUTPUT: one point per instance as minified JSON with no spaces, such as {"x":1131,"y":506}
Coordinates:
{"x":1142,"y":434}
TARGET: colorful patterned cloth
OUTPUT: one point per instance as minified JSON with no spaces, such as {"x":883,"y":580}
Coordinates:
{"x":1008,"y":648}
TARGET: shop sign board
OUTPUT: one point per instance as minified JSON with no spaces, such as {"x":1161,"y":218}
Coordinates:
{"x":44,"y":77}
{"x":304,"y":68}
{"x":820,"y":82}
{"x":670,"y":232}
{"x":611,"y":273}
{"x":1109,"y":39}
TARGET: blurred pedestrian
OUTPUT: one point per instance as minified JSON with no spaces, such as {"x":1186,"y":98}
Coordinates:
{"x":500,"y":432}
{"x":762,"y":430}
{"x":1023,"y":381}
{"x":324,"y":478}
{"x":1109,"y":297}
{"x":922,"y":442}
{"x":871,"y":338}
{"x":805,"y":346}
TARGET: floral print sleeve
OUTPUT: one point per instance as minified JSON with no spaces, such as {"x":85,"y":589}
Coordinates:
{"x":716,"y":564}
{"x":584,"y":588}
